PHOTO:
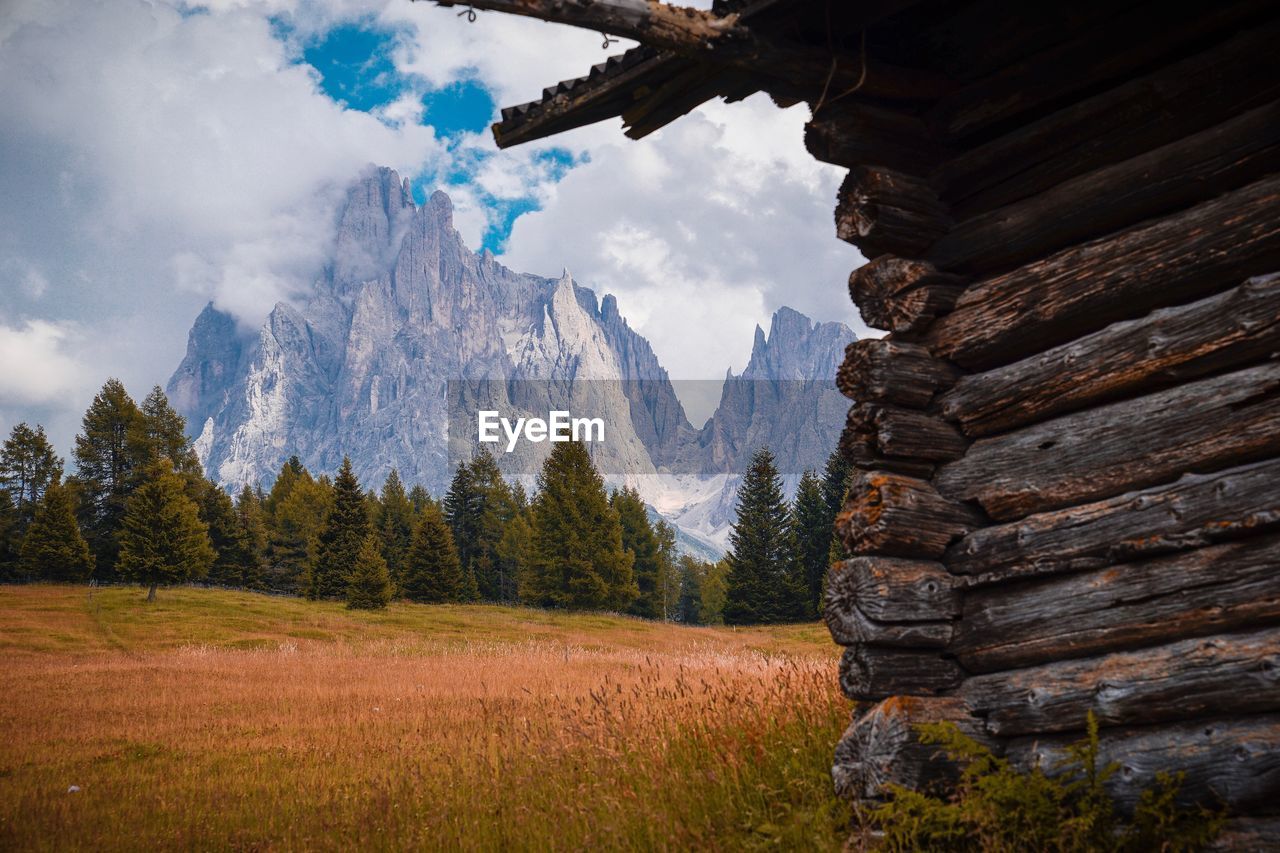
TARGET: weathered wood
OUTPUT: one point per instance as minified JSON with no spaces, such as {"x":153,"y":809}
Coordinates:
{"x":1201,"y":426}
{"x":1221,"y":588}
{"x":859,"y":449}
{"x":1166,"y":347}
{"x":902,"y":296}
{"x":882,"y":747}
{"x":1194,"y":511}
{"x":1247,"y":835}
{"x":907,"y":433}
{"x":876,"y":369}
{"x":1079,"y":290}
{"x":849,"y":626}
{"x":885,"y":212}
{"x":1234,"y":761}
{"x":1170,"y":103}
{"x":897,"y":516}
{"x":874,"y":672}
{"x":895,"y":590}
{"x":852,"y":134}
{"x":1097,"y":56}
{"x":1174,"y":176}
{"x":1225,"y":674}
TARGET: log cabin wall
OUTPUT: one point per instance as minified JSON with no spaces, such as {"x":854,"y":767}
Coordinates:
{"x":1067,"y":445}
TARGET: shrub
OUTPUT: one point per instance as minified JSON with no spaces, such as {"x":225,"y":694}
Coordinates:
{"x":994,"y":807}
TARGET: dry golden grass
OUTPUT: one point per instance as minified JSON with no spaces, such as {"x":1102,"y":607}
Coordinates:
{"x":226,"y":720}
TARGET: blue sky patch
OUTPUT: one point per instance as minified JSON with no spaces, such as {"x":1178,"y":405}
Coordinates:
{"x":461,"y":107}
{"x":355,"y":66}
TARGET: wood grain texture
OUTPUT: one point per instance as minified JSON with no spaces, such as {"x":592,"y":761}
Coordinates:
{"x":896,"y":516}
{"x":902,"y":296}
{"x":875,"y":672}
{"x":890,"y":371}
{"x":886,"y":212}
{"x":1194,"y":511}
{"x":1225,"y":674}
{"x":1079,"y":290}
{"x":1232,"y":761}
{"x":1202,"y":426}
{"x":1231,"y":587}
{"x":1166,"y":347}
{"x":1184,"y":172}
{"x":1167,"y":104}
{"x":882,"y":747}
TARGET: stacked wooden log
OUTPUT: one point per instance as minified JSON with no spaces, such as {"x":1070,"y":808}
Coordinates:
{"x":1067,"y":497}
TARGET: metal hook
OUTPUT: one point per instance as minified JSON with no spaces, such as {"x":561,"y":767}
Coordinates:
{"x":470,"y":13}
{"x":608,"y":40}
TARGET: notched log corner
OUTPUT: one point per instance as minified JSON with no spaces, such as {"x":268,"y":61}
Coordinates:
{"x":895,"y":372}
{"x":899,"y":516}
{"x":882,"y":747}
{"x":903,"y":296}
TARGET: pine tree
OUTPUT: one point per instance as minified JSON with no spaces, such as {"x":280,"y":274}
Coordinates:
{"x":234,"y":564}
{"x":638,"y":538}
{"x":668,"y":570}
{"x":813,"y":539}
{"x":419,"y":497}
{"x":53,"y":548}
{"x":110,"y":453}
{"x":395,"y":523}
{"x":478,"y":506}
{"x":689,"y":607}
{"x":165,"y":434}
{"x":762,"y":584}
{"x":253,"y":527}
{"x":10,"y":541}
{"x":577,"y":559}
{"x":162,"y":539}
{"x":369,"y":582}
{"x":433,"y":572}
{"x":28,"y":466}
{"x":344,"y":533}
{"x":513,"y":552}
{"x":835,"y":483}
{"x":714,"y":592}
{"x":296,"y":512}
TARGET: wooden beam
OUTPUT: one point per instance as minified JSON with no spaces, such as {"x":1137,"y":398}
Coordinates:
{"x":901,"y":296}
{"x":1166,"y":347}
{"x":1095,"y":58}
{"x":1201,"y":426}
{"x":886,"y":212}
{"x":896,"y":516}
{"x":890,"y":371}
{"x":1181,"y":173}
{"x":1082,"y":289}
{"x":680,"y":29}
{"x":1204,"y":677}
{"x":1168,"y":104}
{"x":895,"y":590}
{"x":853,"y":134}
{"x":874,"y":672}
{"x":897,"y":432}
{"x":859,"y":449}
{"x":1231,"y":761}
{"x":1194,"y":511}
{"x":1231,"y":587}
{"x":882,"y":747}
{"x":887,"y":602}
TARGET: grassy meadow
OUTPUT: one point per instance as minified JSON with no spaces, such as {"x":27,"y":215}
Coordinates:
{"x":226,"y":720}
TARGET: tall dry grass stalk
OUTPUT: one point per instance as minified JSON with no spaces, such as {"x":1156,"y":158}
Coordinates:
{"x":410,"y":741}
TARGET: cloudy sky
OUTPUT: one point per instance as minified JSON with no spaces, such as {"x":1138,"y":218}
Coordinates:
{"x":156,"y":154}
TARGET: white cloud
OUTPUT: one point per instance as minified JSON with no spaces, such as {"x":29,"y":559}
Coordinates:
{"x":702,"y":230}
{"x":38,"y":369}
